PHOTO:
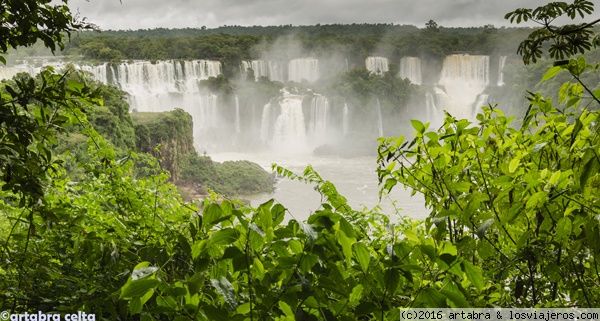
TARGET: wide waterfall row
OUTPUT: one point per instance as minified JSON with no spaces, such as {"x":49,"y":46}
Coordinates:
{"x":309,"y":69}
{"x":301,"y":121}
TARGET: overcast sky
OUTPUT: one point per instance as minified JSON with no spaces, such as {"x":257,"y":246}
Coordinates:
{"x":142,"y":14}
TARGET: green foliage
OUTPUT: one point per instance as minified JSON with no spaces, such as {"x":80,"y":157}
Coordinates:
{"x":231,"y":178}
{"x":513,"y":197}
{"x":24,"y":22}
{"x":566,"y":41}
{"x":171,"y":131}
{"x":32,"y":113}
{"x":250,"y":264}
{"x":233,"y":44}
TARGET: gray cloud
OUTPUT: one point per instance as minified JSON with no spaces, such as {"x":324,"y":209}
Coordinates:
{"x":136,"y":14}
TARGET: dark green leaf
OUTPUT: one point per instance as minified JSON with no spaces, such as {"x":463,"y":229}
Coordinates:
{"x":138,"y":288}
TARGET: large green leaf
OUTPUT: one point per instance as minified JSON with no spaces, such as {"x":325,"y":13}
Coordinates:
{"x":138,"y":288}
{"x":362,"y":255}
{"x":226,"y":290}
{"x":473,"y":274}
{"x":430,"y":298}
{"x":224,"y":237}
{"x":552,"y":72}
{"x":563,"y":230}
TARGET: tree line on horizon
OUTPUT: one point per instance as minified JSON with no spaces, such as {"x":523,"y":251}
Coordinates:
{"x":237,"y":43}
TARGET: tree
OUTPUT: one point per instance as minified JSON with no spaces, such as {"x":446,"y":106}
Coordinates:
{"x":31,"y":112}
{"x":432,"y":26}
{"x":567,"y":40}
{"x":24,"y":22}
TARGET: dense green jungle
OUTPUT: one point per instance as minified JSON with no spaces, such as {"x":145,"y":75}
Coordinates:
{"x":91,"y":219}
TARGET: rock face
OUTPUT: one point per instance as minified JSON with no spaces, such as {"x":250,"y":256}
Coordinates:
{"x":172,"y":131}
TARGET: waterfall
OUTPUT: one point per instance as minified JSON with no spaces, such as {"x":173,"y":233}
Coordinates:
{"x":276,"y":71}
{"x":265,"y":125}
{"x":319,"y":110}
{"x":500,"y":73}
{"x":261,"y":68}
{"x":237,"y":115}
{"x":288,"y":125}
{"x":463,"y":78}
{"x":379,"y":119}
{"x":345,"y":119}
{"x":289,"y":132}
{"x":435,"y":103}
{"x":163,"y":85}
{"x":303,"y":68}
{"x":377,"y":65}
{"x":431,"y":112}
{"x":410,"y":68}
{"x":482,"y":100}
{"x":8,"y":72}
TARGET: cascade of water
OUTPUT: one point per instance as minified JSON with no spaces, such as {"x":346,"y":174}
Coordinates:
{"x":205,"y":117}
{"x":482,"y":100}
{"x":377,"y":65}
{"x":463,"y":78}
{"x":265,"y":125}
{"x":205,"y":113}
{"x":276,"y":71}
{"x":237,"y":115}
{"x":379,"y":119}
{"x":500,"y":73}
{"x":410,"y":68}
{"x":260,"y":68}
{"x":345,"y":120}
{"x":8,"y":72}
{"x":430,"y":108}
{"x":442,"y":101}
{"x":319,"y":110}
{"x":289,"y":129}
{"x":303,"y":68}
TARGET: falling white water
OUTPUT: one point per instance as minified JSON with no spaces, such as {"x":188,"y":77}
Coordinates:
{"x":237,"y":115}
{"x":204,"y":113}
{"x":319,"y":110}
{"x":482,"y":100}
{"x":500,"y":73}
{"x":303,"y":69}
{"x":264,"y":68}
{"x":265,"y":127}
{"x":8,"y":72}
{"x":379,"y":119}
{"x":289,"y":132}
{"x":410,"y":68}
{"x":464,"y":77}
{"x":431,"y":112}
{"x":345,"y":120}
{"x":377,"y":65}
{"x":163,"y":85}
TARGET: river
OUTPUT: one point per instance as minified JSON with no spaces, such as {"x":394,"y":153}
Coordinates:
{"x":354,"y":178}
